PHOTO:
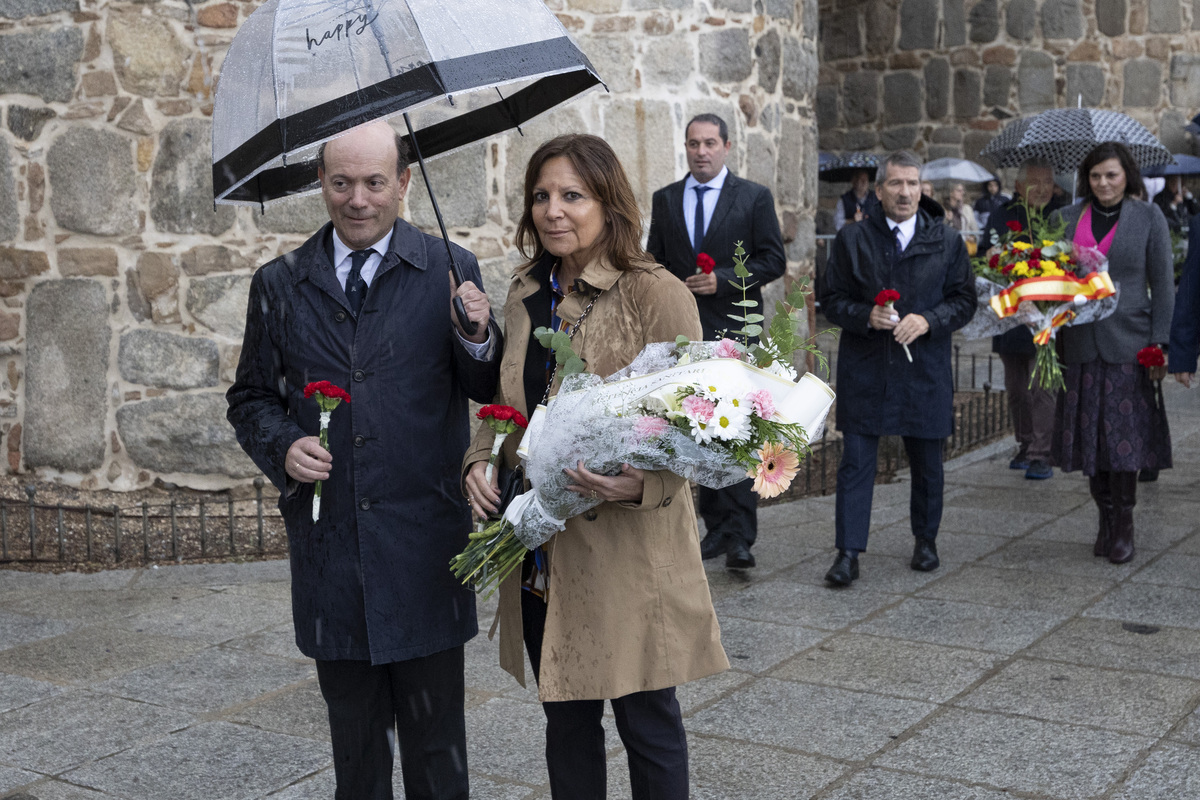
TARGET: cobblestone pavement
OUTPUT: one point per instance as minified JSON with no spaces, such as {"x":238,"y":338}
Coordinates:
{"x":1024,"y":667}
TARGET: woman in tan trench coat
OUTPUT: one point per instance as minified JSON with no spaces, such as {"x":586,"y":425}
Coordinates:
{"x":626,"y":613}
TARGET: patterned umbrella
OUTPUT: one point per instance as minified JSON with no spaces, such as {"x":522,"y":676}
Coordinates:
{"x":840,"y":169}
{"x":1064,"y":136}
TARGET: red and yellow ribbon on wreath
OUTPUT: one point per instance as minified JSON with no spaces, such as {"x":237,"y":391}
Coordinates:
{"x":1058,"y":289}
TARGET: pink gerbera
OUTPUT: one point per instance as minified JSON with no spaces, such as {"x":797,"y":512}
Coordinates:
{"x":775,"y":470}
{"x":764,"y":404}
{"x":726,"y":348}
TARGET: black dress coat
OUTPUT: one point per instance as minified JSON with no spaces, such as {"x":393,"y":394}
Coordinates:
{"x":879,"y":392}
{"x":371,"y":579}
{"x":745,"y":212}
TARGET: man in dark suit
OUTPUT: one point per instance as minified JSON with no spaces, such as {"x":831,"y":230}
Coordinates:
{"x":708,"y":212}
{"x":366,"y":304}
{"x":894,"y":364}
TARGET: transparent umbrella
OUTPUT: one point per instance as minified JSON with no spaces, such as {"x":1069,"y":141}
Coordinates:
{"x":300,"y":72}
{"x":955,"y":169}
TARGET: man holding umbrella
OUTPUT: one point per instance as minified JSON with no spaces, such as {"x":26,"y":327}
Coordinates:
{"x":364,"y":304}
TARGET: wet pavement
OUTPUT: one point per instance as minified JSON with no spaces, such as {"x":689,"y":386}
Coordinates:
{"x":1023,"y":667}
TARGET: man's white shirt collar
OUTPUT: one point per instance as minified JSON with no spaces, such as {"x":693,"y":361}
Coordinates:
{"x":907,"y":229}
{"x":342,"y":251}
{"x":715,"y":183}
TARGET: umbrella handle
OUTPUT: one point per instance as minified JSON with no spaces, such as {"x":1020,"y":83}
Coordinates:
{"x":468,"y":325}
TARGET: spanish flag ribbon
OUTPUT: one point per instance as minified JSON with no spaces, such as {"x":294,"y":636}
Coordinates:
{"x":1060,"y":289}
{"x":1043,"y":336}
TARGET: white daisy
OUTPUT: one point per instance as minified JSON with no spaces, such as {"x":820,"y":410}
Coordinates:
{"x":731,"y":422}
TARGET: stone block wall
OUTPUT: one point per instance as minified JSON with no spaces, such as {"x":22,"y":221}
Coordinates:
{"x":943,"y":76}
{"x":123,"y":288}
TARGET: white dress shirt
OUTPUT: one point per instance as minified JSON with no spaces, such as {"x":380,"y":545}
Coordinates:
{"x":710,"y":201}
{"x":341,"y":261}
{"x":908,"y":229}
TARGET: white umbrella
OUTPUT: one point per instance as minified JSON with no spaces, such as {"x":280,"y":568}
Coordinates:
{"x":955,"y":169}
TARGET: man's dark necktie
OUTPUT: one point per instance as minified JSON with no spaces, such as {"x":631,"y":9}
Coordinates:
{"x":899,"y":248}
{"x":356,"y":287}
{"x":698,"y":220}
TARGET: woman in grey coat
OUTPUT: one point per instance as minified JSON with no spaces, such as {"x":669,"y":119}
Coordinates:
{"x":1109,"y":421}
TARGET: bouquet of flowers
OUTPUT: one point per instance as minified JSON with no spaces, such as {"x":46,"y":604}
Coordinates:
{"x":1038,"y":278}
{"x":712,"y":412}
{"x":328,"y":397}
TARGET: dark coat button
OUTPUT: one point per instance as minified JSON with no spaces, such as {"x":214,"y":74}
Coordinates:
{"x":359,"y":375}
{"x":359,"y":441}
{"x":340,"y":316}
{"x":364,"y":504}
{"x":666,"y":502}
{"x":590,"y":515}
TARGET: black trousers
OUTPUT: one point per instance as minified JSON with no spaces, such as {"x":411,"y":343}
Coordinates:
{"x":856,"y":487}
{"x":418,"y":702}
{"x":732,"y":511}
{"x":650,"y":725}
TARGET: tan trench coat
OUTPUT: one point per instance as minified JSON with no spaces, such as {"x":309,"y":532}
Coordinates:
{"x":629,"y":606}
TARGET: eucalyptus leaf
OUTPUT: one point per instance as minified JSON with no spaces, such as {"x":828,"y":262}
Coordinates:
{"x":682,"y":341}
{"x":574,"y":366}
{"x":745,"y":303}
{"x":752,"y":330}
{"x":740,"y":270}
{"x":755,"y":318}
{"x":561,"y":341}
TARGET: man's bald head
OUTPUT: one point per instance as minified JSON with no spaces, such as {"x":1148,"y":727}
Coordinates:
{"x":370,"y":132}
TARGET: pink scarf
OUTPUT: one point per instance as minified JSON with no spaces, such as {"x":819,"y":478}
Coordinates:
{"x":1084,"y":236}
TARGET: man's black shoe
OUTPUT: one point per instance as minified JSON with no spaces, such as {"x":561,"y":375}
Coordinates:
{"x":925,"y":557}
{"x":844,"y":570}
{"x":737,"y":555}
{"x":713,"y":545}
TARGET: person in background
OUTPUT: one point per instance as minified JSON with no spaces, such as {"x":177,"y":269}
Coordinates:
{"x":960,"y":217}
{"x":1176,"y":203}
{"x":1109,"y":422}
{"x":1032,"y":407}
{"x":927,"y":189}
{"x":991,"y":201}
{"x":1185,"y":324}
{"x":857,"y":203}
{"x":881,"y":392}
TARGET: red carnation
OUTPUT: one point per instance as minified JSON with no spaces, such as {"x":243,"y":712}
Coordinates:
{"x":1035,"y":254}
{"x":519,"y":420}
{"x":327,"y":389}
{"x":886,"y":296}
{"x":1151,"y":356}
{"x":498,"y":412}
{"x":994,"y":261}
{"x":502,"y":419}
{"x":705,"y":263}
{"x":1014,"y":226}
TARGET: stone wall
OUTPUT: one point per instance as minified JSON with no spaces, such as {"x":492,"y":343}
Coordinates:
{"x":124,"y":289}
{"x":943,"y":76}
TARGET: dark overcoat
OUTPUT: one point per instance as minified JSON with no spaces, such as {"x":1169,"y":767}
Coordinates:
{"x":879,"y":392}
{"x":1185,"y":323}
{"x":371,"y":579}
{"x":745,"y":212}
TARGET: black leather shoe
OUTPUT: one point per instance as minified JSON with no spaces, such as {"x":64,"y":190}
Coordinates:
{"x":925,"y":558}
{"x":713,"y":545}
{"x":737,"y":555}
{"x":844,"y":570}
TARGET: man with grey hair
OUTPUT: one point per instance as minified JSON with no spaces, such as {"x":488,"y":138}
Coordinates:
{"x":1032,"y":407}
{"x":893,"y":368}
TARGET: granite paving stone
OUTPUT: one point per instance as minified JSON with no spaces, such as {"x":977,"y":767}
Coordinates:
{"x":278,"y":641}
{"x":1171,"y":773}
{"x":1151,"y":535}
{"x":92,"y":654}
{"x":878,"y":573}
{"x":60,"y":790}
{"x":976,"y":520}
{"x":886,"y":784}
{"x":297,"y":711}
{"x":754,"y":646}
{"x":17,"y":629}
{"x":11,"y":779}
{"x":1134,"y":702}
{"x":1115,"y":644}
{"x":238,"y":763}
{"x":1022,"y":755}
{"x":74,"y":727}
{"x":961,"y":625}
{"x":209,"y":680}
{"x":811,"y":606}
{"x":98,"y":605}
{"x":813,"y":719}
{"x":1172,"y":569}
{"x":317,"y":787}
{"x":723,"y":770}
{"x":886,"y":666}
{"x":954,"y":547}
{"x":271,"y":590}
{"x":697,"y":694}
{"x":1150,"y":604}
{"x":1033,"y":496}
{"x":14,"y":582}
{"x":17,"y":691}
{"x":1188,"y":730}
{"x":1064,"y":558}
{"x":213,"y":618}
{"x":507,"y":737}
{"x":217,"y":574}
{"x":1015,"y":589}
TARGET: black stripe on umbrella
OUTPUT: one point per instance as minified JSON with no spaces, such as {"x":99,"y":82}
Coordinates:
{"x":395,"y":95}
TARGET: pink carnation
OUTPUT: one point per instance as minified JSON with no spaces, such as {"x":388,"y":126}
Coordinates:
{"x":727,"y":349}
{"x":698,"y":408}
{"x":649,"y":428}
{"x":764,"y":405}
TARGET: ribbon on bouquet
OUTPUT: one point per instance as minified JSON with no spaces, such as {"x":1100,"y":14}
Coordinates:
{"x":1061,"y":289}
{"x":1044,"y":336}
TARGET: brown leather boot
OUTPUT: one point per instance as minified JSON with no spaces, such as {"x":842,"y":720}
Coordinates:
{"x":1102,"y":495}
{"x":1123,"y":486}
